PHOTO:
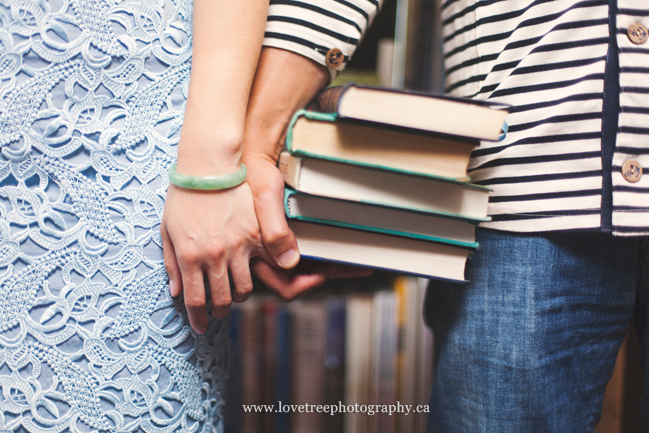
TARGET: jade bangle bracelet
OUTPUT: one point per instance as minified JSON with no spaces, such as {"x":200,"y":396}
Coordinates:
{"x":208,"y":182}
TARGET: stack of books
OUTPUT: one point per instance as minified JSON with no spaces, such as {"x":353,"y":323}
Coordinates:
{"x":378,"y":178}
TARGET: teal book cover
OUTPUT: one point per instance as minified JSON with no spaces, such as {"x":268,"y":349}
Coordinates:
{"x":289,"y":192}
{"x":332,"y":117}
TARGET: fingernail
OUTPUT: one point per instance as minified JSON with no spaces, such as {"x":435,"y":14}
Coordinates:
{"x":289,"y":258}
{"x":172,"y":289}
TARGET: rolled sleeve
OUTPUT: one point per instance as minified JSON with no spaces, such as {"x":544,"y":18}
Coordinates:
{"x":326,"y":31}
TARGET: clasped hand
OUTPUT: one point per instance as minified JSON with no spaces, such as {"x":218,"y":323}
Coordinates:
{"x":205,"y":234}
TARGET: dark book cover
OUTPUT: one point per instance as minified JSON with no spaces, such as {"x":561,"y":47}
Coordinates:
{"x":233,"y":400}
{"x":335,"y":360}
{"x":283,"y":388}
{"x":269,"y":309}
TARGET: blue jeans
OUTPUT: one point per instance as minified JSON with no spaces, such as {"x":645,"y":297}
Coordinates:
{"x":530,"y":344}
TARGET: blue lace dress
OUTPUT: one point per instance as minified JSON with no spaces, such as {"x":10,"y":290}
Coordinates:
{"x":92,"y":94}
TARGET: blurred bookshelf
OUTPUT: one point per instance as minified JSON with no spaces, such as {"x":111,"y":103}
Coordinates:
{"x":362,"y":68}
{"x":353,"y":342}
{"x":415,"y":60}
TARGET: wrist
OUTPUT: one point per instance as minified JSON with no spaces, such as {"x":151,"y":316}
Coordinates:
{"x":284,"y":82}
{"x":208,"y":156}
{"x":210,"y":140}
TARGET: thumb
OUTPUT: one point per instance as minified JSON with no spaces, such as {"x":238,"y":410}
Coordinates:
{"x":278,"y":238}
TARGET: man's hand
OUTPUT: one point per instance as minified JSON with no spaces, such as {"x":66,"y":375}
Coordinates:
{"x":306,"y":276}
{"x":284,"y":83}
{"x":286,"y":279}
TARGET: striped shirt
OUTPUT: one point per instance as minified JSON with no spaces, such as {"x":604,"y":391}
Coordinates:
{"x":579,"y":97}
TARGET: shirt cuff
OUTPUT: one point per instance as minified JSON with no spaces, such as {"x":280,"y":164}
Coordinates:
{"x":325,"y":31}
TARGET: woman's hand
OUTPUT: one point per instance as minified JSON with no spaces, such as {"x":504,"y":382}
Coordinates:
{"x":205,"y":234}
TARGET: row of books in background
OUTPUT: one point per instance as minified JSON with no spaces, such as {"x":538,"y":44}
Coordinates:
{"x":378,"y":178}
{"x":354,"y":349}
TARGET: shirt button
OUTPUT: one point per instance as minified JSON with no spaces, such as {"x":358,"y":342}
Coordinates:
{"x":334,"y":58}
{"x":638,"y":33}
{"x":632,"y":171}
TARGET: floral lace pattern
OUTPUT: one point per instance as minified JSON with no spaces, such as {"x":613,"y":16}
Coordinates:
{"x":92,"y":96}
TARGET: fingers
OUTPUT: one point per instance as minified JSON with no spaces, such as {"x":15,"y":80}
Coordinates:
{"x":194,"y":292}
{"x":185,"y":276}
{"x":278,"y":238}
{"x":287,"y":286}
{"x":205,"y":235}
{"x":241,"y":279}
{"x":170,"y":263}
{"x":220,"y":292}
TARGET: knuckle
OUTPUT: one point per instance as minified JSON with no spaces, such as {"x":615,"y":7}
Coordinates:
{"x":221,"y":303}
{"x":252,"y":233}
{"x":194,"y":302}
{"x":287,"y":297}
{"x":188,"y":256}
{"x":217,"y":251}
{"x":277,"y":237}
{"x":244,"y":288}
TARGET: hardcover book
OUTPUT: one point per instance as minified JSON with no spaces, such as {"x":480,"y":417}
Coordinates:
{"x":308,"y":364}
{"x":439,"y":114}
{"x":234,"y":391}
{"x":410,"y":318}
{"x":251,"y":363}
{"x":401,"y":190}
{"x":380,"y":251}
{"x":322,"y":135}
{"x":334,"y":360}
{"x":358,"y":336}
{"x":385,"y":343}
{"x":380,"y":219}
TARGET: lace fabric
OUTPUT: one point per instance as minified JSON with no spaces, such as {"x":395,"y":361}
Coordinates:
{"x":92,"y":96}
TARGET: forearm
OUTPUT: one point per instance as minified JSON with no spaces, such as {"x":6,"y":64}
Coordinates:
{"x":227,"y":40}
{"x":284,"y":83}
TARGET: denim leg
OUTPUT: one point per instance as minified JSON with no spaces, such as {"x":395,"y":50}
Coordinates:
{"x":642,"y":326}
{"x":529,"y":345}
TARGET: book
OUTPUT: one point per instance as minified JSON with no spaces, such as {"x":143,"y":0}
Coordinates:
{"x":334,"y":360}
{"x":424,"y":369}
{"x":284,"y":364}
{"x":401,"y":190}
{"x":354,"y":215}
{"x":308,"y":320}
{"x":380,"y":251}
{"x":410,"y":319}
{"x":358,"y":337}
{"x":269,"y":346}
{"x":234,"y":391}
{"x":321,"y":134}
{"x":251,"y":359}
{"x":440,"y":114}
{"x":385,"y":343}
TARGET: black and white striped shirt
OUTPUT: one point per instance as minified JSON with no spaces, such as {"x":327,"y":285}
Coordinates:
{"x":580,"y":100}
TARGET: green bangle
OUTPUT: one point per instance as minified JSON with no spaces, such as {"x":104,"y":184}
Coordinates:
{"x":208,"y":182}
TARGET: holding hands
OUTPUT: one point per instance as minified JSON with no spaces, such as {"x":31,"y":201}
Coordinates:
{"x":210,"y":234}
